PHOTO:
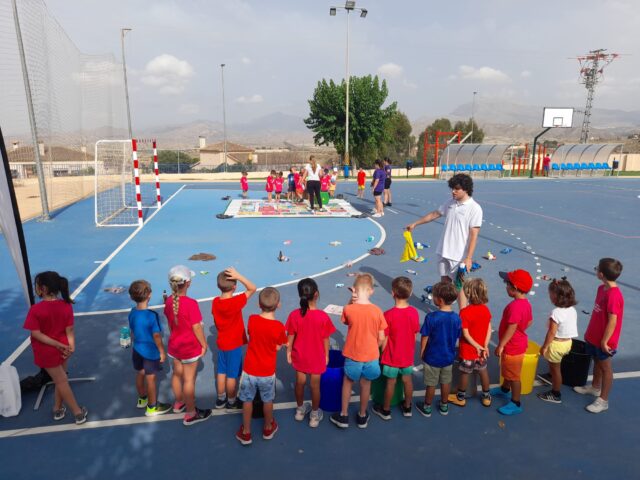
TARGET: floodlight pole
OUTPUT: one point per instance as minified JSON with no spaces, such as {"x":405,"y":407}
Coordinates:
{"x":473,"y":113}
{"x":224,"y":118}
{"x":123,"y":32}
{"x":533,"y":151}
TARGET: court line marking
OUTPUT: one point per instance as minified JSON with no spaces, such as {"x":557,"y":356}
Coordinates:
{"x":383,"y":237}
{"x":23,"y":346}
{"x":119,"y":422}
{"x":560,"y":220}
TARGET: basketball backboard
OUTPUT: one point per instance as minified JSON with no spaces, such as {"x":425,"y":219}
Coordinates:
{"x":557,"y":117}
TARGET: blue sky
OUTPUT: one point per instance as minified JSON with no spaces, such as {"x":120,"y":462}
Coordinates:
{"x":433,"y":54}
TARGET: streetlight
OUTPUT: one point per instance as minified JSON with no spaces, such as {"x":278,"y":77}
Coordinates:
{"x":473,"y":112}
{"x":349,"y":6}
{"x":224,"y":118}
{"x":123,"y":32}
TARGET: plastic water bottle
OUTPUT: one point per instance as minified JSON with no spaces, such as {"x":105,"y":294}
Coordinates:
{"x":370,"y":238}
{"x":125,"y":337}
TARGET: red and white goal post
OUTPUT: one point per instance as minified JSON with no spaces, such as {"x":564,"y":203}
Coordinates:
{"x":123,"y":187}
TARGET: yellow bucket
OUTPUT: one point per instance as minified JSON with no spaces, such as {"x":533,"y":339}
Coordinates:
{"x":529,"y":367}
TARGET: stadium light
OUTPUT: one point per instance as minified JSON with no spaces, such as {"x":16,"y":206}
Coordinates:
{"x":332,"y":11}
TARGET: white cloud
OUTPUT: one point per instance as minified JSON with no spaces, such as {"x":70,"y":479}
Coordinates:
{"x":483,"y":73}
{"x":390,"y":70}
{"x":246,"y":60}
{"x":409,"y":84}
{"x":525,"y":74}
{"x":256,"y":98}
{"x":168,"y":73}
{"x":188,"y":109}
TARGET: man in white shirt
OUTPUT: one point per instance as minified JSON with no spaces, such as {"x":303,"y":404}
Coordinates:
{"x":463,"y":219}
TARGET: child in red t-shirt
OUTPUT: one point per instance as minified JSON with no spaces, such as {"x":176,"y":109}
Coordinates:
{"x":266,"y":336}
{"x":309,"y":330}
{"x":52,"y":340}
{"x":362,"y":176}
{"x":297,"y":178}
{"x":187,"y":344}
{"x":474,"y":342}
{"x":278,"y":182}
{"x":325,"y":181}
{"x":244,"y":184}
{"x":227,"y":317}
{"x":603,"y":333}
{"x":399,"y":347}
{"x":270,"y":184}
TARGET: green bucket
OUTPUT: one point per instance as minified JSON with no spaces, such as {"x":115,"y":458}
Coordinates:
{"x":378,"y":387}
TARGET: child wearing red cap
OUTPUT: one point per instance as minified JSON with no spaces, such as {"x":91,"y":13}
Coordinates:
{"x":513,"y":341}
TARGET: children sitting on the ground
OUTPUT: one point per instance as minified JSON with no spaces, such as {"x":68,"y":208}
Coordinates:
{"x":563,"y":326}
{"x":266,"y":336}
{"x":513,"y":341}
{"x":440,"y":333}
{"x":187,"y":344}
{"x":309,"y":330}
{"x":474,"y":342}
{"x":53,"y":341}
{"x":603,"y":333}
{"x":147,"y":353}
{"x":227,"y":317}
{"x":399,"y":347}
{"x":366,"y":324}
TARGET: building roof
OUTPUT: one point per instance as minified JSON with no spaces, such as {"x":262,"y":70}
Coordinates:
{"x":55,"y":154}
{"x":231,"y":148}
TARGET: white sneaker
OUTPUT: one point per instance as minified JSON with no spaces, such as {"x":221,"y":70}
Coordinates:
{"x":599,"y":405}
{"x":315,"y":418}
{"x":588,"y":390}
{"x":302,"y":411}
{"x":376,"y":215}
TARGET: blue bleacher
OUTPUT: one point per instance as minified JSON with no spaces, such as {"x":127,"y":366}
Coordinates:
{"x":444,"y":168}
{"x":554,"y":166}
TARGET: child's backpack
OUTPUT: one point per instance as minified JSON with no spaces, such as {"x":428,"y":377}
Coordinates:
{"x":10,"y":399}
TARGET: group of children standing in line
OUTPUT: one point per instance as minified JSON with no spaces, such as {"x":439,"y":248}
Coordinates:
{"x":296,"y":184}
{"x":377,"y":343}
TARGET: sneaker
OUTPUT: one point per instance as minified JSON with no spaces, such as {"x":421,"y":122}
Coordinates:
{"x":243,"y":438}
{"x":339,"y":420}
{"x":159,"y":409}
{"x":486,"y":400}
{"x":423,"y":409}
{"x":549,"y":396}
{"x":199,"y":416}
{"x":179,"y":407}
{"x":453,"y":398}
{"x":362,"y":422}
{"x":142,"y":402}
{"x":233,"y":407}
{"x":268,"y":433}
{"x":60,"y":413}
{"x":376,"y":215}
{"x":381,"y":412}
{"x":302,"y":411}
{"x":389,"y":204}
{"x":510,"y":409}
{"x":499,"y":393}
{"x":545,"y":377}
{"x":221,"y":403}
{"x":444,"y":408}
{"x":588,"y":390}
{"x":599,"y":405}
{"x":82,"y":416}
{"x":406,"y":410}
{"x":315,"y":417}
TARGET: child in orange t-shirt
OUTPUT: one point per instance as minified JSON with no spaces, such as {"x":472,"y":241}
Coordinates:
{"x":266,"y":336}
{"x":365,"y":335}
{"x":227,"y":317}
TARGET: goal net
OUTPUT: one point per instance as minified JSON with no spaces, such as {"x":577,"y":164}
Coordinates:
{"x":126,"y":182}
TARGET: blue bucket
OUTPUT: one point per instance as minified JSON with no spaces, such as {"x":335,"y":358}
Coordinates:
{"x":331,"y":383}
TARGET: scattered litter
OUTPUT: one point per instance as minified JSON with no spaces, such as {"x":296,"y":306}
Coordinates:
{"x":427,"y":299}
{"x":506,"y":250}
{"x":475,"y":266}
{"x":352,"y":274}
{"x":348,"y":264}
{"x":586,"y":312}
{"x":333,"y":309}
{"x":282,"y":258}
{"x":419,"y":259}
{"x":222,"y":216}
{"x":565,"y":269}
{"x":501,"y":424}
{"x":339,"y":285}
{"x":204,"y":272}
{"x":528,"y":247}
{"x":546,"y":278}
{"x":335,"y":243}
{"x":370,"y":238}
{"x":226,"y":197}
{"x":205,"y":257}
{"x":115,"y":290}
{"x":536,"y":284}
{"x":420,"y":246}
{"x":428,"y":288}
{"x":377,"y":251}
{"x":412,"y":272}
{"x":300,"y":450}
{"x":287,"y":242}
{"x":532,"y":293}
{"x":489,"y":256}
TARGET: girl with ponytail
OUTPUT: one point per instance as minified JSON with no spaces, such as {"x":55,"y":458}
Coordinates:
{"x":308,"y":330}
{"x":187,"y":344}
{"x":53,"y":341}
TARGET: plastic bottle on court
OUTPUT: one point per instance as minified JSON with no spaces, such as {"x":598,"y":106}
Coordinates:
{"x":370,"y":238}
{"x":125,"y":337}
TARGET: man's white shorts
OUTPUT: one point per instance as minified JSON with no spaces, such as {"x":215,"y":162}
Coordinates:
{"x":448,"y":268}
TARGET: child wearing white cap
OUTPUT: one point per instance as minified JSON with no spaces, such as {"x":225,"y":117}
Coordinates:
{"x":187,"y":344}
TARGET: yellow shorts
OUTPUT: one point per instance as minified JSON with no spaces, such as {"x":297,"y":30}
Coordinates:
{"x":557,"y":350}
{"x":360,"y":187}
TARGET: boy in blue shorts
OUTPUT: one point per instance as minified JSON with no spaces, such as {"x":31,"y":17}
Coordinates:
{"x":440,"y":333}
{"x":148,"y":351}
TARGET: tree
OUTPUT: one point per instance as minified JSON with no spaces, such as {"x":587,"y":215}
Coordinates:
{"x":444,"y":125}
{"x":398,"y":139}
{"x":367,"y":117}
{"x":465,"y":128}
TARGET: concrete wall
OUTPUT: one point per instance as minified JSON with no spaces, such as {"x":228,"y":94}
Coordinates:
{"x":630,"y":162}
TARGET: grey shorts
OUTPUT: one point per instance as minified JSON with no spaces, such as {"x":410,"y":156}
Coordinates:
{"x":448,"y":268}
{"x":434,"y":376}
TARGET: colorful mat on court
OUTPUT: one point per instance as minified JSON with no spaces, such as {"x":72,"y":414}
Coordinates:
{"x":262,"y":209}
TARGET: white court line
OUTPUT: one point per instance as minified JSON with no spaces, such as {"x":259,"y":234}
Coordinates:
{"x":23,"y":346}
{"x":119,"y":422}
{"x":383,"y":237}
{"x":392,"y":210}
